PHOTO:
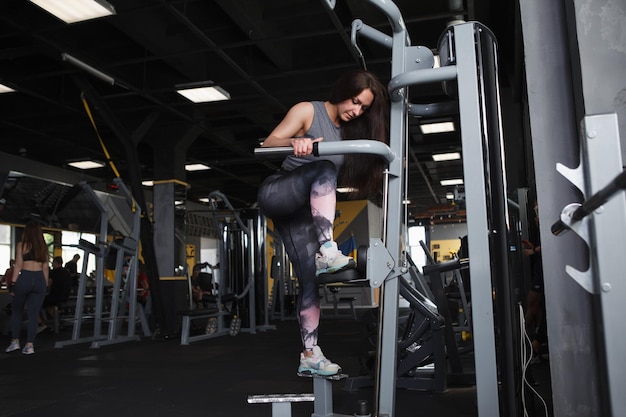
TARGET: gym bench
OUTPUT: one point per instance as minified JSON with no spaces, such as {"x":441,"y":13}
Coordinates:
{"x":188,"y":316}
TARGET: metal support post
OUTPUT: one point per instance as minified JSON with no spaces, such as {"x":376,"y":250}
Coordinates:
{"x":323,"y":392}
{"x":479,"y":223}
{"x":604,"y":232}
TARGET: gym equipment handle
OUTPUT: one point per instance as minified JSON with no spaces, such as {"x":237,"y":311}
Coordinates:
{"x":358,"y":146}
{"x":617,"y":184}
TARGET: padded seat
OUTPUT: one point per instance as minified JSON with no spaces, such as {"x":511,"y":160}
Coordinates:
{"x":204,"y":312}
{"x":351,"y":276}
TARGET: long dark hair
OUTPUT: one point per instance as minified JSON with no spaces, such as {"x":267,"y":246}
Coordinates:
{"x":32,"y":240}
{"x":363,"y":172}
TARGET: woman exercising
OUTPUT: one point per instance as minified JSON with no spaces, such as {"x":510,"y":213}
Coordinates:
{"x":301,"y":197}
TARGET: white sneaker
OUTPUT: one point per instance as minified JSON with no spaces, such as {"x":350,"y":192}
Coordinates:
{"x":330,"y":259}
{"x":317,"y":364}
{"x":15,"y":345}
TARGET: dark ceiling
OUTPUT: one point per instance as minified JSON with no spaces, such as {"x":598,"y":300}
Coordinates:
{"x":268,"y":54}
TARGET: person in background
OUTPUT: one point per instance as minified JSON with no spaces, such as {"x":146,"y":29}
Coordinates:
{"x":202,"y":284}
{"x":143,"y":285}
{"x":301,"y":197}
{"x":59,"y":291}
{"x":29,"y":285}
{"x":72,"y":267}
{"x":8,"y":274}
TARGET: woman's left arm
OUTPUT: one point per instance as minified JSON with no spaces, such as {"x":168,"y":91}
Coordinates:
{"x":46,"y":273}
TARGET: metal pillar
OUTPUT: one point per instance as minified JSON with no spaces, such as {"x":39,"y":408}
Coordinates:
{"x":603,"y":232}
{"x":483,"y":236}
{"x":477,"y":85}
{"x":390,"y":290}
{"x":165,"y":247}
{"x":553,"y":120}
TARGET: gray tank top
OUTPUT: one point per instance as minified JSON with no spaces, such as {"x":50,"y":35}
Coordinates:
{"x":322,"y":126}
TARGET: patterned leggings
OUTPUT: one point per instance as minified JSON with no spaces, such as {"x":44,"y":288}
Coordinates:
{"x":302,"y":205}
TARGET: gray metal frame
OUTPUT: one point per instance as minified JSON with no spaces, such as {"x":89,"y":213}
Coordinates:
{"x":478,"y":225}
{"x":601,"y":161}
{"x":98,"y":251}
{"x":128,"y":293}
{"x":384,"y":259}
{"x":121,"y":295}
{"x":571,"y":70}
{"x":404,"y":74}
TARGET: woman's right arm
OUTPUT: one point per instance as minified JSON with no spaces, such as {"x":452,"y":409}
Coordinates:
{"x":46,"y":273}
{"x":296,"y":123}
{"x":18,"y":262}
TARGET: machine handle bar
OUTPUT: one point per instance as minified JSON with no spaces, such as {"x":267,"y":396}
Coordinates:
{"x":358,"y":146}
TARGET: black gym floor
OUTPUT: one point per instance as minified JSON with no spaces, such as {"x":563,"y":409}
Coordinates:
{"x":207,"y":378}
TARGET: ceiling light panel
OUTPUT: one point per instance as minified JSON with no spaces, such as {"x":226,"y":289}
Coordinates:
{"x":72,"y":11}
{"x":196,"y":167}
{"x":5,"y":89}
{"x":456,"y":181}
{"x":88,"y":164}
{"x":450,"y":156}
{"x":441,"y":127}
{"x":205,"y":94}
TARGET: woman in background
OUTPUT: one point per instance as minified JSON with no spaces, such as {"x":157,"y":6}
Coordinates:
{"x":29,"y":285}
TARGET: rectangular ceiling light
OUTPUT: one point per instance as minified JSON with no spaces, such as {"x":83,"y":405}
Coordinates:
{"x":345,"y":190}
{"x":456,"y":181}
{"x":72,"y":11}
{"x":440,"y":127}
{"x":196,"y":167}
{"x":204,"y":94}
{"x":147,"y":183}
{"x":451,"y":156}
{"x":5,"y":89}
{"x":88,"y":164}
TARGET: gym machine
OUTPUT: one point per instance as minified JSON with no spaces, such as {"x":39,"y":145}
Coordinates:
{"x":457,"y":266}
{"x":123,"y":297}
{"x":469,"y":70}
{"x":241,"y":262}
{"x":283,"y":291}
{"x":430,"y":341}
{"x":242,"y":253}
